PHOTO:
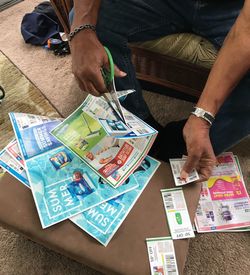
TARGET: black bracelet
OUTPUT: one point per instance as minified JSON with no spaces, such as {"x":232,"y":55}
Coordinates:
{"x":80,"y":28}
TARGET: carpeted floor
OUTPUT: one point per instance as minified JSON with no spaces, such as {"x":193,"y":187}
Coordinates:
{"x":217,"y":253}
{"x":21,"y":96}
{"x":5,"y":4}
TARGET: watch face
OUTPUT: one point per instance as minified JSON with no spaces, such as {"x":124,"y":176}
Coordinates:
{"x":199,"y":112}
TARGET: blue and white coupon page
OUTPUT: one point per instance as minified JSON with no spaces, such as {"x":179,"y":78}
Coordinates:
{"x":102,"y":221}
{"x":63,"y":186}
{"x":33,"y":133}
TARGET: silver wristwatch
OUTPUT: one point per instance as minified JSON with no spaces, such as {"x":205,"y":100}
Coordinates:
{"x":199,"y":112}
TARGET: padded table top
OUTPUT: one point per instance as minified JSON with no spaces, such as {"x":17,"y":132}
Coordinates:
{"x":126,"y":253}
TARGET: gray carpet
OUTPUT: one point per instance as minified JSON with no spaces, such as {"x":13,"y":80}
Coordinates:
{"x":5,"y":4}
{"x":217,"y":253}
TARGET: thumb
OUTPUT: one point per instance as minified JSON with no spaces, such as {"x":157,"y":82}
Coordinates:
{"x":190,"y":164}
{"x":119,"y":73}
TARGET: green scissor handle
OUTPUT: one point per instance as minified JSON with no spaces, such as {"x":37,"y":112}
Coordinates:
{"x":108,"y":75}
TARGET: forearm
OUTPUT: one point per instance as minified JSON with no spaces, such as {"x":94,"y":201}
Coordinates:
{"x":232,"y":63}
{"x":85,"y":12}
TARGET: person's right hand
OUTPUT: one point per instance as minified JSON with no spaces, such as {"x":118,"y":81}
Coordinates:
{"x":88,"y":57}
{"x":199,"y":148}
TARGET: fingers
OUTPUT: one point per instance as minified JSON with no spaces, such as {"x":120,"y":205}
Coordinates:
{"x":207,"y":165}
{"x":87,"y":87}
{"x":90,"y":78}
{"x":204,"y":163}
{"x":205,"y":172}
{"x":80,"y":84}
{"x":99,"y":83}
{"x":88,"y":75}
{"x":92,"y":90}
{"x":191,"y":163}
{"x":200,"y":152}
{"x":94,"y":84}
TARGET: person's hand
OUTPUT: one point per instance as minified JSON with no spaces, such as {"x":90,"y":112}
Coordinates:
{"x":88,"y":57}
{"x":200,"y":151}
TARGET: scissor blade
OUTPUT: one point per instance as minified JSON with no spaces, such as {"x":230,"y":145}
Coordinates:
{"x":115,"y":111}
{"x":112,"y":98}
{"x":116,"y":101}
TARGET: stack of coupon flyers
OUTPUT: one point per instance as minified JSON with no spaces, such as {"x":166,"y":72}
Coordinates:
{"x":224,"y":202}
{"x":103,"y":220}
{"x":64,"y":186}
{"x":106,"y":144}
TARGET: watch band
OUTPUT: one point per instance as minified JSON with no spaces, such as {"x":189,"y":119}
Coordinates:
{"x":199,"y":112}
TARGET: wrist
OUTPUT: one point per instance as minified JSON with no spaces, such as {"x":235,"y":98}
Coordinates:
{"x":201,"y":123}
{"x":78,"y":21}
{"x":196,"y":126}
{"x":85,"y":28}
{"x":209,"y":103}
{"x":211,"y":108}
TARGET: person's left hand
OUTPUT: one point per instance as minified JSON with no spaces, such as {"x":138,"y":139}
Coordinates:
{"x":200,"y":151}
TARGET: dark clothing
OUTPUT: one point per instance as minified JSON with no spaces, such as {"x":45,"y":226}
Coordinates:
{"x":121,"y":22}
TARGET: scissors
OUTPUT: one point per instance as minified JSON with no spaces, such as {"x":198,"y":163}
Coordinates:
{"x":111,"y":97}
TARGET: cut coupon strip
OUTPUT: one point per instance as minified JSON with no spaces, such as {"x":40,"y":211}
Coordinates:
{"x":13,"y":167}
{"x":177,"y":214}
{"x":176,"y":166}
{"x":162,"y":257}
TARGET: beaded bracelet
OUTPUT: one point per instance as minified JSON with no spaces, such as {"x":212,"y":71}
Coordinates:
{"x":80,"y":28}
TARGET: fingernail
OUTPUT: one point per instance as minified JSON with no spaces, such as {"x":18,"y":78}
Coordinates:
{"x":122,"y":73}
{"x":183,"y":175}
